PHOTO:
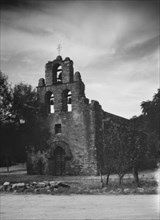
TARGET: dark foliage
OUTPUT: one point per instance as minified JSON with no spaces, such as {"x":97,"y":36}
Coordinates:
{"x":20,"y":122}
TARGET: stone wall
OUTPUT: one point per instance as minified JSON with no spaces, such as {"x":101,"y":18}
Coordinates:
{"x":77,"y":131}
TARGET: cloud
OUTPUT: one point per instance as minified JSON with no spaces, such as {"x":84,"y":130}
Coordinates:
{"x":138,"y":50}
{"x":114,"y":44}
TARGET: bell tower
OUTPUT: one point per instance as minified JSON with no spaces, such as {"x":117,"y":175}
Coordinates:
{"x":59,"y":71}
{"x":61,"y":89}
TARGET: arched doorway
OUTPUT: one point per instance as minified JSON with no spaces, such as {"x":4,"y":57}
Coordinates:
{"x":59,"y":158}
{"x":59,"y":155}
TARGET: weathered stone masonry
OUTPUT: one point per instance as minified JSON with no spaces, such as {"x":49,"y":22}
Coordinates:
{"x":77,"y":126}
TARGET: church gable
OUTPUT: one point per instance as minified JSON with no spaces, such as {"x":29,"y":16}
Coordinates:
{"x":59,"y":71}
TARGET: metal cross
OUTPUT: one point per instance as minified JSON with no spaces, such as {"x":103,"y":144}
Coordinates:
{"x":59,"y":48}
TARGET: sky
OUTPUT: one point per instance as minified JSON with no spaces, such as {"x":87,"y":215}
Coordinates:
{"x":113,"y":44}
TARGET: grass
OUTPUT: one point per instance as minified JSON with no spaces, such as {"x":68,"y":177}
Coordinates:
{"x":18,"y":168}
{"x":83,"y":184}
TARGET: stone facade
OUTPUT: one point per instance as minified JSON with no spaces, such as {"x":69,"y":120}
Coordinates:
{"x":77,"y":126}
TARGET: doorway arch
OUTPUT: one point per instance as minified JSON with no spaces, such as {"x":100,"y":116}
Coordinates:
{"x":59,"y":161}
{"x":59,"y":158}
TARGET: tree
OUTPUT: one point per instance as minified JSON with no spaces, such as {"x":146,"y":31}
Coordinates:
{"x":122,"y":157}
{"x":25,"y":105}
{"x":28,"y":114}
{"x":20,"y":122}
{"x":110,"y":148}
{"x":5,"y":99}
{"x":109,"y":161}
{"x":151,"y":124}
{"x":144,"y":136}
{"x":151,"y":111}
{"x":116,"y":151}
{"x":126,"y":148}
{"x":138,"y":148}
{"x":6,"y":123}
{"x":134,"y":144}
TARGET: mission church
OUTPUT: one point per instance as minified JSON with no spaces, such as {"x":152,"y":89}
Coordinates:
{"x":78,"y":126}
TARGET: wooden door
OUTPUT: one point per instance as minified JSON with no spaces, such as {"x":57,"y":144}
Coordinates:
{"x":59,"y":154}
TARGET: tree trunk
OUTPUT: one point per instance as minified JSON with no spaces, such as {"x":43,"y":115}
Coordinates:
{"x":107,"y":179}
{"x":7,"y":164}
{"x":7,"y":169}
{"x":120,"y":179}
{"x":101,"y":179}
{"x":135,"y":174}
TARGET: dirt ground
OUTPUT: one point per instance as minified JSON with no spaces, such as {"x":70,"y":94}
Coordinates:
{"x":78,"y":207}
